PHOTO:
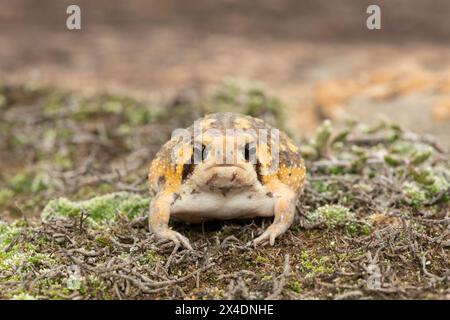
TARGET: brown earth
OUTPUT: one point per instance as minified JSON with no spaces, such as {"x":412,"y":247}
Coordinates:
{"x":318,"y":57}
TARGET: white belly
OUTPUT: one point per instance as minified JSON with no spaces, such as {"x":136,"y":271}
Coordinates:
{"x":202,"y":206}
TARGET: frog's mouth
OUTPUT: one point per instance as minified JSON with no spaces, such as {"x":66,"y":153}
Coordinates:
{"x":226,"y":165}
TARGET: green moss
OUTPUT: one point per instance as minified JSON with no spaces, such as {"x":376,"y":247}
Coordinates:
{"x":13,"y":259}
{"x":5,"y":196}
{"x":249,"y":263}
{"x":356,"y":228}
{"x":58,"y":102}
{"x":401,"y":152}
{"x":112,"y":106}
{"x":363,"y":187}
{"x":338,"y":170}
{"x":53,"y":288}
{"x":313,"y":265}
{"x":262,"y":260}
{"x":404,"y":148}
{"x":267,"y":278}
{"x":3,"y":101}
{"x":421,"y":156}
{"x":152,"y":257}
{"x":427,"y":185}
{"x":85,"y":109}
{"x":96,"y":287}
{"x":331,"y":215}
{"x":418,"y":226}
{"x":226,"y":231}
{"x":295,"y":286}
{"x":340,"y":138}
{"x":393,"y":160}
{"x":424,"y":177}
{"x":20,"y":182}
{"x":139,"y":116}
{"x":41,"y":181}
{"x":17,"y":254}
{"x":23,"y":296}
{"x":415,"y":195}
{"x":249,"y":98}
{"x":103,"y":241}
{"x":30,"y":181}
{"x":320,"y":185}
{"x":322,"y":138}
{"x":308,"y":151}
{"x":99,"y":209}
{"x":63,"y":160}
{"x":379,"y":125}
{"x":439,"y":185}
{"x":7,"y":233}
{"x":327,"y":187}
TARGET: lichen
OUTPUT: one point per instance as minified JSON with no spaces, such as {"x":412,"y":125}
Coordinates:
{"x":5,"y":196}
{"x":357,"y":228}
{"x":249,"y":98}
{"x":18,"y":257}
{"x":322,"y":138}
{"x":426,"y":185}
{"x":314,"y":265}
{"x":101,"y":209}
{"x":23,"y":296}
{"x":331,"y":215}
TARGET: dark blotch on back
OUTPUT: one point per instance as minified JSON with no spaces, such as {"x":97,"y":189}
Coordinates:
{"x":161,"y":181}
{"x":188,"y":168}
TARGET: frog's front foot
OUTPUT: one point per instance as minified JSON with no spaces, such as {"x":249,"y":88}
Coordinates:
{"x":176,"y":237}
{"x":159,"y":220}
{"x":270,"y":234}
{"x":284,"y":214}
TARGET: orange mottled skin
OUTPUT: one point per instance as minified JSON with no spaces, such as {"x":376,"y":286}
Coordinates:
{"x":203,"y":191}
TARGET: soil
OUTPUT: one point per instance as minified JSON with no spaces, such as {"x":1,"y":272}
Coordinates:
{"x":293,"y":47}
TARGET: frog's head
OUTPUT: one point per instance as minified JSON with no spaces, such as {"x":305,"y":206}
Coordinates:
{"x":222,"y":162}
{"x":227,"y":151}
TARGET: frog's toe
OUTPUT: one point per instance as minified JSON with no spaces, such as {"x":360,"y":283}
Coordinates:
{"x":175,"y":237}
{"x":184,"y":241}
{"x":269,"y":235}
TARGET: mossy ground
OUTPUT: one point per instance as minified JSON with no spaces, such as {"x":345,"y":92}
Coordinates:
{"x":372,"y":222}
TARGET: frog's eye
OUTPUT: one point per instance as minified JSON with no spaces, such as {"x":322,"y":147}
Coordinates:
{"x":200,"y":153}
{"x":250,"y":152}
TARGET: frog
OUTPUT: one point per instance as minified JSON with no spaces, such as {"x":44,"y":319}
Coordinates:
{"x":225,"y":166}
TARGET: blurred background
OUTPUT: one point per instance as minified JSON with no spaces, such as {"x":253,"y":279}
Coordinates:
{"x":318,"y":56}
{"x":83,"y":113}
